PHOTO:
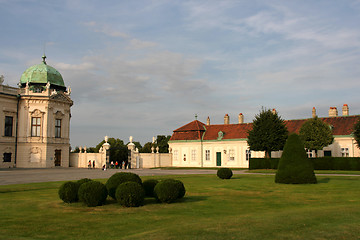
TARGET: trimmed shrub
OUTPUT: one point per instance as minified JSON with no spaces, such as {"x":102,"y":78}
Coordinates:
{"x":294,"y":166}
{"x":93,"y":193}
{"x":118,"y":178}
{"x":224,"y":173}
{"x":130,"y":194}
{"x":83,"y":180}
{"x":181,"y":187}
{"x":167,"y":191}
{"x":263,"y":163}
{"x":149,"y":186}
{"x":68,"y":192}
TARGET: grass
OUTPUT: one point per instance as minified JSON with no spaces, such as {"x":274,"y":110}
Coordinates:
{"x":244,"y":207}
{"x":273,"y":171}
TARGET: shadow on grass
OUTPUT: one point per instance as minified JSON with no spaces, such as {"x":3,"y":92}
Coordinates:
{"x":149,"y":201}
{"x":324,"y":180}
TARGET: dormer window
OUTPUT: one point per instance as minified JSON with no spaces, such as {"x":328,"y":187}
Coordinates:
{"x":220,"y":135}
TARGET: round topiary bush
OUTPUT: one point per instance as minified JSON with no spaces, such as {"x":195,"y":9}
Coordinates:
{"x":224,"y":173}
{"x":130,"y":194}
{"x":92,"y":193}
{"x":167,"y":191}
{"x":68,"y":192}
{"x":294,"y":165}
{"x":83,"y":180}
{"x":115,"y":180}
{"x":149,"y":186}
{"x":181,"y":187}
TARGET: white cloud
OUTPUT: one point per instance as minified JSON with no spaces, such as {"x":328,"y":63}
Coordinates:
{"x":136,"y":44}
{"x":106,"y":29}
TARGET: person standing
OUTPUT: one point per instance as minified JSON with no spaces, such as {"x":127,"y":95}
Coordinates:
{"x":89,"y":164}
{"x":116,"y":164}
{"x":94,"y":164}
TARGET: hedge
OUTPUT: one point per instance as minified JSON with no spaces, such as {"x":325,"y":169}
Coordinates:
{"x":263,"y":163}
{"x":320,"y":163}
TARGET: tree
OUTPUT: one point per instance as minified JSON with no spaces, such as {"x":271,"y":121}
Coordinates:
{"x":161,"y":142}
{"x":316,"y":134}
{"x":118,"y":150}
{"x":146,"y":148}
{"x":269,"y":133}
{"x":357,"y":133}
{"x":294,"y":165}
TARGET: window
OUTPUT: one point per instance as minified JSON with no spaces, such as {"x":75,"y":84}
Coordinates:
{"x":309,"y":153}
{"x":58,"y":128}
{"x":248,"y":154}
{"x":207,"y":155}
{"x":176,"y":155}
{"x":8,"y":126}
{"x":35,"y":126}
{"x":327,"y":153}
{"x":7,"y":157}
{"x":345,"y":152}
{"x":193,"y":155}
{"x":231,"y":154}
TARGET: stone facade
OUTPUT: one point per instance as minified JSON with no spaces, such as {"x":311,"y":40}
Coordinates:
{"x":35,"y":125}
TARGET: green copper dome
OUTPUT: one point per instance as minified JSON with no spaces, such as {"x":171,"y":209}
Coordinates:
{"x":42,"y":74}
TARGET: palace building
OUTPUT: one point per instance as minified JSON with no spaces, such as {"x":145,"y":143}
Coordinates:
{"x":35,"y":120}
{"x":225,"y":145}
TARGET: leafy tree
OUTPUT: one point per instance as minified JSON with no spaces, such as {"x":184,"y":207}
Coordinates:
{"x":76,"y":150}
{"x":92,"y":150}
{"x":161,"y":142}
{"x":294,"y":166}
{"x":146,"y":148}
{"x":138,"y":145}
{"x":118,"y":150}
{"x":357,"y":132}
{"x":269,"y":133}
{"x":316,"y":134}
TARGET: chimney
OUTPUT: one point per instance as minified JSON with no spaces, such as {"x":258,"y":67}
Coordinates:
{"x":314,"y":112}
{"x":226,"y":119}
{"x":345,"y":110}
{"x":274,"y":111}
{"x":333,"y":112}
{"x":241,"y":118}
{"x":208,"y":121}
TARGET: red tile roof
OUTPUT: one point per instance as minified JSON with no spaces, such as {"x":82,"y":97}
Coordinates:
{"x":194,"y":130}
{"x":191,"y":131}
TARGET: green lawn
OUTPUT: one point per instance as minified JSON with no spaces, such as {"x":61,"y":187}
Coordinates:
{"x":244,"y":207}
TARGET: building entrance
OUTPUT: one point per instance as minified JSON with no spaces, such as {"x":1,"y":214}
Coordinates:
{"x":218,"y":159}
{"x":57,"y":158}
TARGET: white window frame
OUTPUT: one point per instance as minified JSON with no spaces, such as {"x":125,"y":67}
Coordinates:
{"x":207,"y":155}
{"x":176,"y":155}
{"x":58,"y":128}
{"x":231,"y":155}
{"x":35,"y":126}
{"x":345,"y":152}
{"x":193,"y":155}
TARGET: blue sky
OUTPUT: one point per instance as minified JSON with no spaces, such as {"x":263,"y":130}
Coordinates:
{"x":145,"y":68}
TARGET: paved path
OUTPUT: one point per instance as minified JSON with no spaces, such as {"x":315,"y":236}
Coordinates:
{"x":23,"y":175}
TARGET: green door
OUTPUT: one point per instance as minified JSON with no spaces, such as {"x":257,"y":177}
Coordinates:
{"x":218,"y":159}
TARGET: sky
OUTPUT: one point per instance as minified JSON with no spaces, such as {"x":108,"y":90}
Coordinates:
{"x":146,"y":67}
